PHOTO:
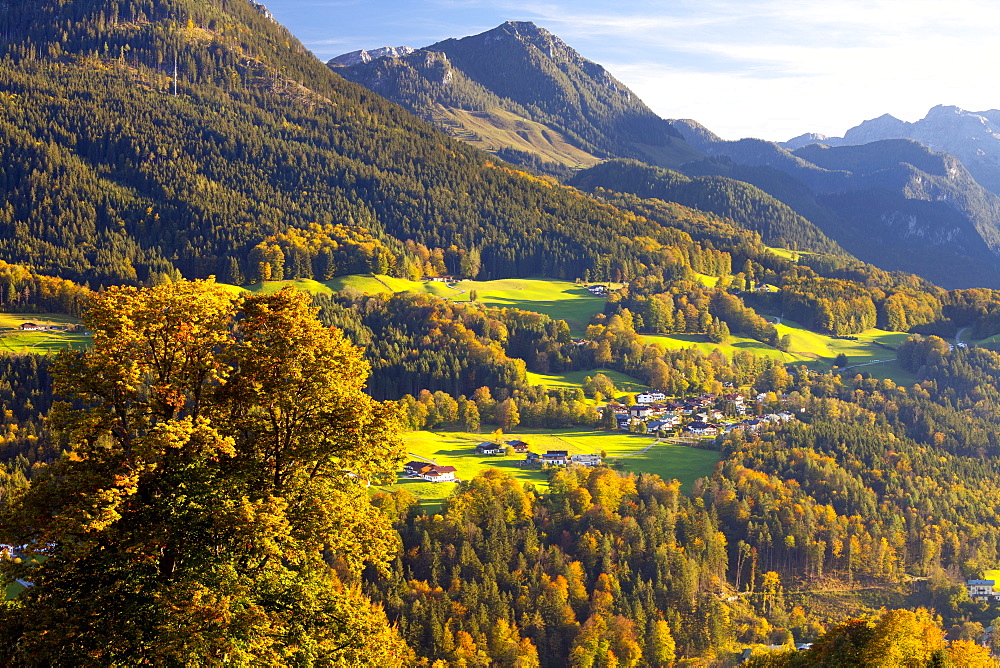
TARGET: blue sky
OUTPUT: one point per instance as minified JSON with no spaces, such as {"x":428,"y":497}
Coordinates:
{"x":744,"y":68}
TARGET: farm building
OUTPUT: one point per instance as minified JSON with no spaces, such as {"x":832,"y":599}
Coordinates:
{"x":586,"y":460}
{"x":439,"y":474}
{"x":488,"y":448}
{"x":416,"y":468}
{"x":520,"y":447}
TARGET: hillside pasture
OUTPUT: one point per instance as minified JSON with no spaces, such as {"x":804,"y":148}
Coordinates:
{"x":14,"y":340}
{"x":562,"y":300}
{"x":458,"y":449}
{"x":574,"y":379}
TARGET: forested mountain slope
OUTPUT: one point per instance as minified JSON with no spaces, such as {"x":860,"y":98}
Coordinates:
{"x":894,"y":203}
{"x":745,"y":204}
{"x":265,"y":164}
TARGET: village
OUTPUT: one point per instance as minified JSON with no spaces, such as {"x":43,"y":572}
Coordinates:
{"x":694,"y":417}
{"x":704,"y":415}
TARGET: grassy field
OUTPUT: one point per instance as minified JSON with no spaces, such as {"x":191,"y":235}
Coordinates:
{"x":707,"y":281}
{"x":13,"y":340}
{"x":559,"y":299}
{"x":458,"y":449}
{"x":735,"y":344}
{"x":573,"y":303}
{"x":874,"y":349}
{"x":562,"y":300}
{"x":872,"y":353}
{"x":496,"y":128}
{"x":574,"y":379}
{"x":671,"y":460}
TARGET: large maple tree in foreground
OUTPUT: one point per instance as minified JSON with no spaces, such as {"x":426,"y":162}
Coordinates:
{"x":212,"y":507}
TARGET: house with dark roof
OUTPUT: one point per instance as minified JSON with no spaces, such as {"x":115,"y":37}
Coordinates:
{"x":489,"y":448}
{"x":520,"y":447}
{"x":416,"y":468}
{"x":556,"y":457}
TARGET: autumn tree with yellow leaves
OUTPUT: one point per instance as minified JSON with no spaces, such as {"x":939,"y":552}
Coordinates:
{"x":212,"y":508}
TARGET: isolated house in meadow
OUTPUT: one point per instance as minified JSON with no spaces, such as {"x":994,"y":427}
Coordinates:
{"x":416,"y":467}
{"x":31,"y":327}
{"x":520,"y":447}
{"x":488,"y":448}
{"x":439,"y":474}
{"x":982,"y":590}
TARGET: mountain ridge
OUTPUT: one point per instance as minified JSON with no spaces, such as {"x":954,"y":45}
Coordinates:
{"x":971,"y":136}
{"x":536,"y":75}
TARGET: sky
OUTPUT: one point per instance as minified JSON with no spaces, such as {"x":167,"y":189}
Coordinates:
{"x":771,"y":69}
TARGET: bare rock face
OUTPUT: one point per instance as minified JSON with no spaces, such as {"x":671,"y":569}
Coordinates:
{"x":363,"y":56}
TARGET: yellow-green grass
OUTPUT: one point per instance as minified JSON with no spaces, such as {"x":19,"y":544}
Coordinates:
{"x":574,"y":379}
{"x":708,"y":281}
{"x":789,"y":254}
{"x":457,"y":449}
{"x":13,"y":340}
{"x":496,"y":128}
{"x":865,"y":349}
{"x":303,"y":284}
{"x":367,"y":283}
{"x":817,"y":351}
{"x":734,"y":345}
{"x":672,"y":460}
{"x":562,"y":300}
{"x":666,"y":460}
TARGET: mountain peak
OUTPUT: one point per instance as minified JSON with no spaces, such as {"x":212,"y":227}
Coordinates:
{"x":364,"y":56}
{"x":528,"y":33}
{"x":946,"y":110}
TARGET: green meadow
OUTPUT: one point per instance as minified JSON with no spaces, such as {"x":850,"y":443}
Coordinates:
{"x":13,"y":340}
{"x":568,"y":301}
{"x":447,"y":448}
{"x":562,"y":300}
{"x":574,"y":379}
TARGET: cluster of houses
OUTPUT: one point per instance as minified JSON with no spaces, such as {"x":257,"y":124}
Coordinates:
{"x":695,"y":415}
{"x":538,"y":460}
{"x":431,"y":472}
{"x":559,"y":458}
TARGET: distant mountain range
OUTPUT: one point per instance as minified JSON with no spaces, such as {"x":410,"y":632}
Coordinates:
{"x":917,"y":197}
{"x":895,"y":203}
{"x":971,"y":136}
